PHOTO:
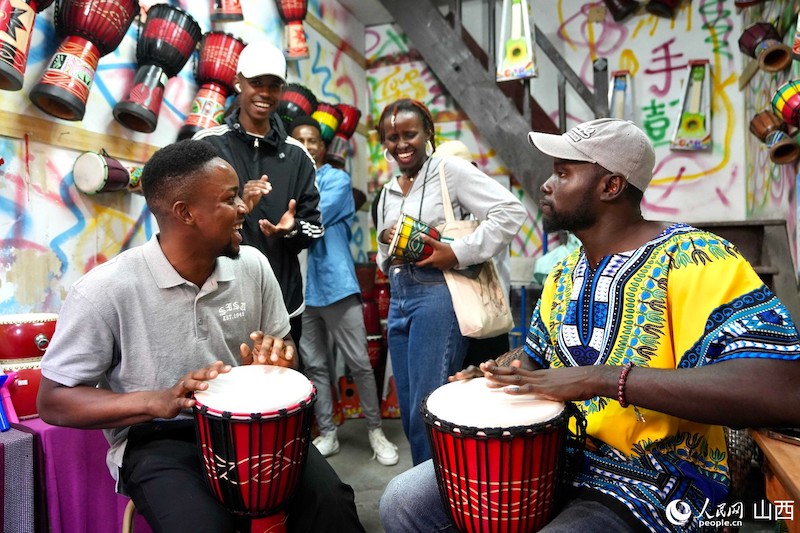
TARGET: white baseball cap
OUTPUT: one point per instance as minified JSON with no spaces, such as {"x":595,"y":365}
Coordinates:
{"x":262,"y":58}
{"x":617,"y":145}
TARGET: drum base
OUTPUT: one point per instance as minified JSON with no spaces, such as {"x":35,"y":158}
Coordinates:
{"x":57,"y":102}
{"x":10,"y":78}
{"x":133,"y":116}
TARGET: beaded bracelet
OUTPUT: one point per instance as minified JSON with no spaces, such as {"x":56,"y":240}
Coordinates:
{"x":623,"y":377}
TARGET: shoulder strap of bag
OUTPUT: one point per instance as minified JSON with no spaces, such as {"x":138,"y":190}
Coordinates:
{"x":449,"y":216}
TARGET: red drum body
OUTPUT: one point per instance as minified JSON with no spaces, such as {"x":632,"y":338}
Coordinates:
{"x":340,"y":145}
{"x":17,"y":18}
{"x":215,"y":72}
{"x":786,"y":102}
{"x":292,"y":13}
{"x":23,"y":341}
{"x":169,"y":37}
{"x":329,"y":118}
{"x":407,"y":243}
{"x":297,"y":100}
{"x":92,"y":29}
{"x":226,"y":11}
{"x":772,"y":130}
{"x":498,"y":458}
{"x":761,"y":41}
{"x":620,"y":9}
{"x":95,"y":172}
{"x":253,"y":430}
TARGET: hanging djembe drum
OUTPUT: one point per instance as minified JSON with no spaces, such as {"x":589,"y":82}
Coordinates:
{"x":620,"y":9}
{"x":340,"y":146}
{"x":215,"y":72}
{"x":91,"y":29}
{"x":17,"y":18}
{"x":662,"y":8}
{"x":292,"y":13}
{"x":226,"y":11}
{"x":329,"y":118}
{"x":761,"y":41}
{"x":169,"y":37}
{"x":771,"y":130}
{"x":786,"y":102}
{"x":297,"y":100}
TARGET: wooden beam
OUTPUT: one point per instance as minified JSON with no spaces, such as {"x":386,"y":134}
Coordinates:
{"x":335,"y":40}
{"x":41,"y":130}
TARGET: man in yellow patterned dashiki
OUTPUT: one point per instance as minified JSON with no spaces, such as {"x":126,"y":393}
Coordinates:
{"x":660,"y":333}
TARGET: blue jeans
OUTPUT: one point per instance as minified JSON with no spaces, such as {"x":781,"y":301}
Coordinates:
{"x":425,"y":344}
{"x":411,"y":502}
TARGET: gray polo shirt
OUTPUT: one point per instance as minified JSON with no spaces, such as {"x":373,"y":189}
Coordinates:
{"x":134,"y":324}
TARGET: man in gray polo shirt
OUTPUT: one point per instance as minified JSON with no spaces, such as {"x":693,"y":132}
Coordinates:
{"x":138,"y":334}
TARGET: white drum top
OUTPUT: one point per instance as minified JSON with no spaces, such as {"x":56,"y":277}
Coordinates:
{"x":89,"y":172}
{"x":28,"y":318}
{"x":255,"y":389}
{"x":472,"y":403}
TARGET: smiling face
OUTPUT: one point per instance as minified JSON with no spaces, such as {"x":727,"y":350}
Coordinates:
{"x":569,"y":195}
{"x":217,"y":209}
{"x":405,"y":140}
{"x":258,"y":98}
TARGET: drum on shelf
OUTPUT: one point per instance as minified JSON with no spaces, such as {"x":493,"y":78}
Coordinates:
{"x":761,"y":41}
{"x":340,"y":146}
{"x":253,"y":430}
{"x":91,"y":29}
{"x":329,"y":118}
{"x":297,"y":100}
{"x":292,"y":12}
{"x":17,"y":18}
{"x":499,"y":459}
{"x":215,"y":73}
{"x":771,"y":130}
{"x":620,"y":9}
{"x":226,"y":11}
{"x":168,"y":38}
{"x":786,"y":102}
{"x":23,"y":341}
{"x":407,"y":243}
{"x":95,"y":172}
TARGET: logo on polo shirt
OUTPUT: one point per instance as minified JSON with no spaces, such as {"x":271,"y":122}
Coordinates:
{"x":232,"y":310}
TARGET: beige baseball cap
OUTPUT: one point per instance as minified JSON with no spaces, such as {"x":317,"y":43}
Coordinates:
{"x":262,"y":58}
{"x":453,"y":149}
{"x":617,"y":145}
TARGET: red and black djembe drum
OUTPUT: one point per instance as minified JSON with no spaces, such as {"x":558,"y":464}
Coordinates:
{"x":292,"y":13}
{"x":761,"y":41}
{"x":253,"y":432}
{"x":215,"y":72}
{"x":771,"y":130}
{"x":226,"y":11}
{"x":168,"y":38}
{"x":297,"y":100}
{"x":340,"y":145}
{"x":23,"y":341}
{"x":91,"y":29}
{"x":786,"y":102}
{"x":662,"y":8}
{"x":501,"y":460}
{"x":329,"y":118}
{"x":17,"y":18}
{"x":620,"y":9}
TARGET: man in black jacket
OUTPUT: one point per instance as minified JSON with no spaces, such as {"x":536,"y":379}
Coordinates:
{"x":276,"y":174}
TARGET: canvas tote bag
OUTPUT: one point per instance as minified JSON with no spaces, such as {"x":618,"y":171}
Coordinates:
{"x":480,"y":304}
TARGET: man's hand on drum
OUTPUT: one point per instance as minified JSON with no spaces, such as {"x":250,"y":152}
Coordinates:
{"x":558,"y":384}
{"x":254,"y":190}
{"x":269,"y":350}
{"x":170,"y":402}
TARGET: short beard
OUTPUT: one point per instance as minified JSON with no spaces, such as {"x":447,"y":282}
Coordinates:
{"x":581,"y":218}
{"x":230,"y":253}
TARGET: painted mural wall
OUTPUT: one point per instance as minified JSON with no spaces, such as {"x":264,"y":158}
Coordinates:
{"x":50,"y":232}
{"x":693,"y":186}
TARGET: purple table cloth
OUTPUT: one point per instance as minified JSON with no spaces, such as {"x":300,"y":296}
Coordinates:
{"x":78,"y":489}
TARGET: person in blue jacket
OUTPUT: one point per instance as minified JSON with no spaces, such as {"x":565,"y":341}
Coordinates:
{"x":333,"y":304}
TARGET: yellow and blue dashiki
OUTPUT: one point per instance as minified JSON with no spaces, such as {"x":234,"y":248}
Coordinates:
{"x":685,"y":299}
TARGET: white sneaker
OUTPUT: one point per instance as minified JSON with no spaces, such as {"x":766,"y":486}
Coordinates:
{"x":327,"y":443}
{"x":384,"y":451}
